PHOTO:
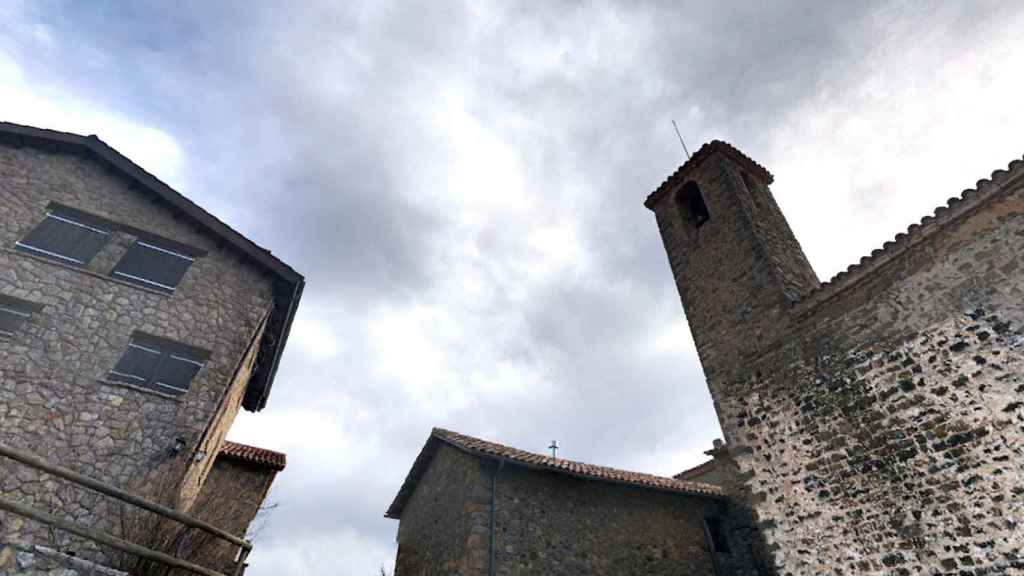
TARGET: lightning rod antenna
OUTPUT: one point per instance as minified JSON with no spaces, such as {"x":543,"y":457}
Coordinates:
{"x":681,"y":139}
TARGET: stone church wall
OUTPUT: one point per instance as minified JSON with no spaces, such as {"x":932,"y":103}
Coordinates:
{"x":885,"y":433}
{"x":445,"y":524}
{"x":557,"y":525}
{"x":54,"y":399}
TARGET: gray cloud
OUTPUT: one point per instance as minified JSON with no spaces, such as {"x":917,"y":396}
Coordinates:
{"x":463,"y":185}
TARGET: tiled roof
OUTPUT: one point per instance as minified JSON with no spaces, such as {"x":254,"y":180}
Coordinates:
{"x":698,"y":470}
{"x":514,"y":456}
{"x":288,"y":292}
{"x":955,"y":207}
{"x":699,"y":157}
{"x":253,"y":455}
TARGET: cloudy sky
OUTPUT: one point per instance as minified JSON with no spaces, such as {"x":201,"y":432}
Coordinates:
{"x":462,"y":185}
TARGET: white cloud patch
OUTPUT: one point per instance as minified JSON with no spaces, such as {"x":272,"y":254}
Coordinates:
{"x":463,"y":187}
{"x":27,"y":102}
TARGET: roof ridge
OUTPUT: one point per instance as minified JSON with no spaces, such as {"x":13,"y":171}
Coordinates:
{"x":485,"y":449}
{"x":495,"y":449}
{"x":969,"y":199}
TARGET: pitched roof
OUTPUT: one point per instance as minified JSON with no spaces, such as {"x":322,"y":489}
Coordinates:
{"x":287,"y":290}
{"x":705,"y":152}
{"x":697,"y":470}
{"x":253,"y":455}
{"x":490,"y":450}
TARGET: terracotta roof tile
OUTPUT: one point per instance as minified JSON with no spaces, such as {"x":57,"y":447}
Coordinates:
{"x":253,"y":455}
{"x":483,"y":448}
{"x":969,"y":200}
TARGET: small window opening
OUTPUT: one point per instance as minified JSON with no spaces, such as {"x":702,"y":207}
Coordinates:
{"x":716,"y":533}
{"x":691,"y":206}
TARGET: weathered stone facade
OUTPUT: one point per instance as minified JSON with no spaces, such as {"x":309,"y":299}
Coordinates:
{"x":556,"y":517}
{"x":445,"y":526}
{"x":876,"y":421}
{"x":56,"y":400}
{"x":231,"y":498}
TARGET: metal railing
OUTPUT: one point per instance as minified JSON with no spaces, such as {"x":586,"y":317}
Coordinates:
{"x":32,"y":461}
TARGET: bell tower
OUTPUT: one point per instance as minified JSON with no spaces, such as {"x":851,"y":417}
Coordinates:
{"x":736,"y":263}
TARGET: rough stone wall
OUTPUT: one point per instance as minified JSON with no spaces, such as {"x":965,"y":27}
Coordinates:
{"x":444,"y":525}
{"x":731,"y":271}
{"x":231,"y":497}
{"x":558,"y":525}
{"x":41,"y":561}
{"x":54,"y":400}
{"x":890,"y":438}
{"x":877,"y":428}
{"x":217,"y":429}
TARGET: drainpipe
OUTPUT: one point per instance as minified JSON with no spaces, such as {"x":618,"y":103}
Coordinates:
{"x":493,"y":566}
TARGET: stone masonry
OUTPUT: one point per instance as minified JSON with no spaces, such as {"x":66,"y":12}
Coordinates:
{"x":35,"y":560}
{"x":55,"y":398}
{"x":467,"y":499}
{"x":876,"y":421}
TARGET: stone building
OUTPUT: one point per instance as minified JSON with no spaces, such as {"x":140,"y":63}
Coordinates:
{"x":234,"y":492}
{"x":875,"y":422}
{"x":134,"y":326}
{"x":472,"y":507}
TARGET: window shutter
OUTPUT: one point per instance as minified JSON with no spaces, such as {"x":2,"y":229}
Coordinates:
{"x":65,"y":239}
{"x":137,"y":365}
{"x":14,"y":312}
{"x":158,"y":363}
{"x":153,"y":266}
{"x":176,"y":373}
{"x":11,"y":320}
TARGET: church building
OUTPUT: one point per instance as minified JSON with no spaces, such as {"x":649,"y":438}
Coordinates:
{"x":874,"y":423}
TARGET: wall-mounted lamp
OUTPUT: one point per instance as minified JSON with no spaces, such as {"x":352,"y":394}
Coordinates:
{"x":179,"y":445}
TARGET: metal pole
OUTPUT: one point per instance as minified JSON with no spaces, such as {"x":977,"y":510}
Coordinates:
{"x":38,"y":463}
{"x":97,"y":536}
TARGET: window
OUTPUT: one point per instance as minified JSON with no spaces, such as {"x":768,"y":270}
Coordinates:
{"x":690,"y":204}
{"x":159,"y":364}
{"x":67,"y":235}
{"x":153,"y":265}
{"x":14,"y":312}
{"x":716,"y":534}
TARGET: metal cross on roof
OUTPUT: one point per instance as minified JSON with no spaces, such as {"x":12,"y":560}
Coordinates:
{"x":554,"y":448}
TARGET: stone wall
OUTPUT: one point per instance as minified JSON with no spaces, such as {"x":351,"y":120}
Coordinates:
{"x":32,"y":560}
{"x":553,"y":524}
{"x":557,"y":525}
{"x":217,"y":429}
{"x":443,"y":529}
{"x":54,"y":398}
{"x":876,"y":423}
{"x":231,"y":498}
{"x":889,"y":439}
